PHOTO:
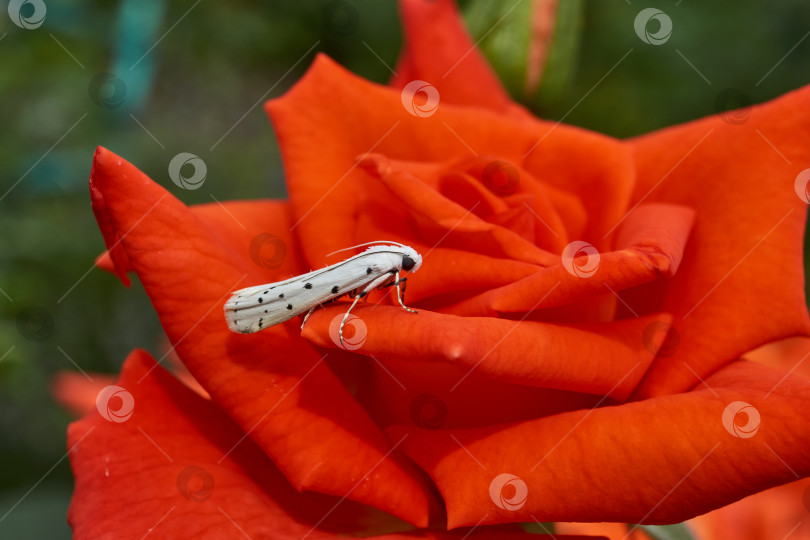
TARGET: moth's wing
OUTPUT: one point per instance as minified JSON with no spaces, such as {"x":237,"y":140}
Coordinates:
{"x":255,"y":308}
{"x":358,"y":272}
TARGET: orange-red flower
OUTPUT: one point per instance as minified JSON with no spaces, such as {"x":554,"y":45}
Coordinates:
{"x":533,"y":384}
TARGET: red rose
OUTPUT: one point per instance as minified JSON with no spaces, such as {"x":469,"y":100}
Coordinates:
{"x":583,"y":303}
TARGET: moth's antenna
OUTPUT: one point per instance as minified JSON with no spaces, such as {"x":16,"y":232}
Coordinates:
{"x":367,"y":244}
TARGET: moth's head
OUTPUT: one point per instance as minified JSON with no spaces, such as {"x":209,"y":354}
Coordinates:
{"x":411,"y":260}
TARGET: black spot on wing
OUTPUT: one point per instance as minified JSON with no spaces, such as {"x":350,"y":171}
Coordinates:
{"x":281,"y":295}
{"x":335,"y":289}
{"x":369,"y":270}
{"x":289,"y":306}
{"x":261,"y":299}
{"x":308,"y":286}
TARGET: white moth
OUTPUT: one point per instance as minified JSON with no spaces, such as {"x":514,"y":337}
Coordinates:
{"x":256,"y":308}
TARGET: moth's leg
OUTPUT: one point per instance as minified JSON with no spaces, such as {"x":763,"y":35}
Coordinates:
{"x":332,"y":301}
{"x":404,"y":282}
{"x":371,"y":286}
{"x":346,"y":316}
{"x":401,"y":293}
{"x":307,"y":316}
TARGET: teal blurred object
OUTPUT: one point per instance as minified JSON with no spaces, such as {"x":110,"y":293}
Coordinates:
{"x":138,"y":24}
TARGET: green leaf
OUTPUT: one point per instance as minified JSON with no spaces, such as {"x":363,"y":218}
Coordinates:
{"x":538,"y":528}
{"x":678,"y":531}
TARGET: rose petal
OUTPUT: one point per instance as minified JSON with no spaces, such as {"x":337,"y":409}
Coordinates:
{"x":775,"y":514}
{"x":447,"y":271}
{"x":77,"y":392}
{"x":614,"y":531}
{"x":607,"y":359}
{"x":790,"y":355}
{"x":439,"y":50}
{"x":650,"y":245}
{"x":273,"y":384}
{"x":642,"y":462}
{"x":408,"y":392}
{"x":105,"y":262}
{"x":179,"y":467}
{"x":114,"y":259}
{"x":743,"y":269}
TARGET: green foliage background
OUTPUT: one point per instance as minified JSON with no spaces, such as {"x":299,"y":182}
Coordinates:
{"x":209,"y":63}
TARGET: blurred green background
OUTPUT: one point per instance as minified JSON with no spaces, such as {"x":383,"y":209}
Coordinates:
{"x":151,"y":79}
